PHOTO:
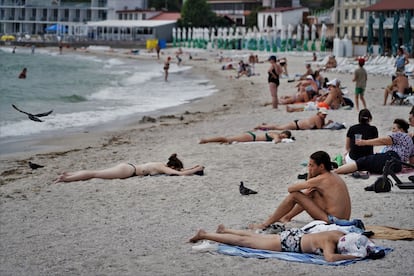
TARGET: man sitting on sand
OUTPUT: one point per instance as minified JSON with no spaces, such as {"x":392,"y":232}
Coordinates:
{"x":331,"y":100}
{"x":399,"y":86}
{"x":334,"y":245}
{"x":308,"y":72}
{"x":315,"y":122}
{"x":324,"y":196}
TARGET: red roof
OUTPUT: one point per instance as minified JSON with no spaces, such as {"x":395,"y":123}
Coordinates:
{"x":391,"y":5}
{"x":167,"y":16}
{"x":282,"y":9}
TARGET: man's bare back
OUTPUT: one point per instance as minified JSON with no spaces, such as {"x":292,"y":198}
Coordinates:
{"x":331,"y":189}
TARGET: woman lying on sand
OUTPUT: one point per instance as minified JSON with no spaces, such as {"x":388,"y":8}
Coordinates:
{"x":127,"y":170}
{"x":250,"y":136}
{"x":315,"y":122}
{"x":334,"y":245}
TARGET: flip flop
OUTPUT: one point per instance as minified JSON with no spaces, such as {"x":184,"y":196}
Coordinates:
{"x":360,"y":175}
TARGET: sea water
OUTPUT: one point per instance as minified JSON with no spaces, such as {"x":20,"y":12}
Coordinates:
{"x":86,"y":90}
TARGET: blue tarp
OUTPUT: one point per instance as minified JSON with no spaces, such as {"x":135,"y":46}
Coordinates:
{"x":55,"y":28}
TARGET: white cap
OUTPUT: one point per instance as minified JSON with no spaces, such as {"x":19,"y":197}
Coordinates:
{"x":309,"y":77}
{"x":334,"y":82}
{"x":323,"y":110}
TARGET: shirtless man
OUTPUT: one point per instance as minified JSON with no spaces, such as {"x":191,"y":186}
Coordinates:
{"x":292,"y":240}
{"x":334,"y":98}
{"x":307,"y":90}
{"x":308,"y":72}
{"x":398,"y":85}
{"x":315,"y":122}
{"x":324,"y":196}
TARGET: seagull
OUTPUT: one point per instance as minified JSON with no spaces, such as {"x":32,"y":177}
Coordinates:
{"x":33,"y":117}
{"x":34,"y":166}
{"x":244,"y":190}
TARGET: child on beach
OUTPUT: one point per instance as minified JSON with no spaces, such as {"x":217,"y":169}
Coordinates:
{"x":127,"y":170}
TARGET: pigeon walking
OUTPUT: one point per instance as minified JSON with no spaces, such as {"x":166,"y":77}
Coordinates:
{"x":34,"y":166}
{"x":33,"y":117}
{"x":245,"y":191}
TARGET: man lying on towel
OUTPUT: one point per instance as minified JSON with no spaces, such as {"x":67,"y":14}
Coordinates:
{"x":334,"y":245}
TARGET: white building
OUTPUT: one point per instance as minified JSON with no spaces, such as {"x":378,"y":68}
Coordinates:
{"x":34,"y":16}
{"x":274,"y":19}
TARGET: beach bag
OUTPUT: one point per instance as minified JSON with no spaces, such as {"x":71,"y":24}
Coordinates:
{"x":382,"y":185}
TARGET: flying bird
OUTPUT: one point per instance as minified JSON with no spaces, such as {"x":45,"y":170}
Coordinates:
{"x":33,"y":117}
{"x":34,"y":166}
{"x":245,"y":191}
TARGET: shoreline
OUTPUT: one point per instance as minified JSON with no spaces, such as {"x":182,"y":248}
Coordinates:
{"x":141,"y":225}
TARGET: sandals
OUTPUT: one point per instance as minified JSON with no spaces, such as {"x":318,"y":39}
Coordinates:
{"x":360,"y":175}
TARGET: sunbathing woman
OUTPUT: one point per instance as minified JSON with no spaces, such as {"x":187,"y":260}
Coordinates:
{"x":315,"y":122}
{"x":250,"y":136}
{"x":127,"y":170}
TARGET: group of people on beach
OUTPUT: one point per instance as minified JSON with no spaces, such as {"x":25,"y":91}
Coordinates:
{"x":323,"y":194}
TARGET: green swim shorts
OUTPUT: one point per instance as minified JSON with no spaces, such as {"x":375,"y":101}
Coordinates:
{"x":359,"y":91}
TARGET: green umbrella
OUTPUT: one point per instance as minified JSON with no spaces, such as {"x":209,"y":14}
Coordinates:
{"x":381,"y":34}
{"x":394,"y":35}
{"x":370,"y":47}
{"x":407,"y":32}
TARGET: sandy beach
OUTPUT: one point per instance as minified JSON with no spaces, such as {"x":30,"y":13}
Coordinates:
{"x":140,"y":225}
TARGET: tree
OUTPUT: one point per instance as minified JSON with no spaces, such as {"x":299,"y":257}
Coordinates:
{"x":251,"y":19}
{"x":197,"y":13}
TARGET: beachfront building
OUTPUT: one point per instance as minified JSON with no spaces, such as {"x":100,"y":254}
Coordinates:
{"x":238,"y":10}
{"x":111,"y":20}
{"x":275,"y":18}
{"x":35,"y":16}
{"x":390,"y":10}
{"x":234,"y":10}
{"x":352,"y":17}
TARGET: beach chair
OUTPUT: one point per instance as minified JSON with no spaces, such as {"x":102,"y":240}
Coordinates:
{"x":399,"y":98}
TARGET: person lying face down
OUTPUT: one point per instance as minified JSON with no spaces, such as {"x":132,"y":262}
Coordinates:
{"x":251,"y":136}
{"x":127,"y":170}
{"x":334,"y":245}
{"x":316,"y":121}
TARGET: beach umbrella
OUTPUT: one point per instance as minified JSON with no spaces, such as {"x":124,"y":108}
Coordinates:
{"x":289,"y":36}
{"x":174,"y":36}
{"x":179,"y":36}
{"x":407,"y":32}
{"x":8,"y":38}
{"x":313,"y":37}
{"x":370,"y":47}
{"x":298,"y":37}
{"x":323,"y":37}
{"x":381,"y":34}
{"x":283,"y":38}
{"x":394,"y":35}
{"x":305,"y":38}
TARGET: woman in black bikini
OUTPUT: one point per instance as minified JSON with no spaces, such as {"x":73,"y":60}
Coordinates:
{"x":250,"y":136}
{"x":126,"y":170}
{"x":273,"y":79}
{"x":166,"y":68}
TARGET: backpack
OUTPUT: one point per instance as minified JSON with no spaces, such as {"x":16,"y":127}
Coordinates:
{"x":382,"y":185}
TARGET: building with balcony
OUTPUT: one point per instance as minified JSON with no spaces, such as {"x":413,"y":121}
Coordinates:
{"x":34,"y":16}
{"x":351,"y":17}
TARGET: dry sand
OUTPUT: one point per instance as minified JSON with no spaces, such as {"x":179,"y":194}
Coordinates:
{"x":140,"y":225}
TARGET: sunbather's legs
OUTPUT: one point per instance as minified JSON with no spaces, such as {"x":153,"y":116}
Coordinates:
{"x":266,"y":242}
{"x":347,"y":168}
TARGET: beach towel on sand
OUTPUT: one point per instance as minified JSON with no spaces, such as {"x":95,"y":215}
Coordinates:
{"x":286,"y":256}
